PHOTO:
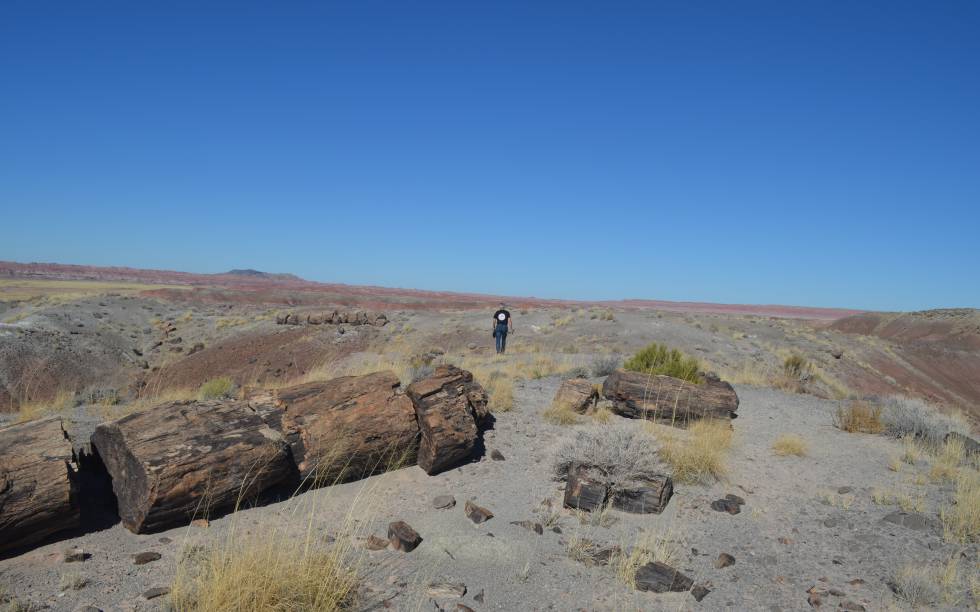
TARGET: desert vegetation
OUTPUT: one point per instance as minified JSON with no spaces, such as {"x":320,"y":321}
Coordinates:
{"x":659,"y":359}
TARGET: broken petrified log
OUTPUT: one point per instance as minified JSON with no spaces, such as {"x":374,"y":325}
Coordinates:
{"x":180,"y":460}
{"x":643,"y":496}
{"x":451,"y":408}
{"x":37,"y":483}
{"x":661,"y":578}
{"x":667,"y":399}
{"x":576,"y":394}
{"x":585,"y":490}
{"x":349,"y":427}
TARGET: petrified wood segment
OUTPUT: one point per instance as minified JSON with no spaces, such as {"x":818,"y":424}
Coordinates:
{"x":577,"y":394}
{"x":669,"y":400}
{"x":37,"y":489}
{"x":643,"y":496}
{"x":182,"y":460}
{"x":349,"y":427}
{"x":451,"y":407}
{"x":584,"y":491}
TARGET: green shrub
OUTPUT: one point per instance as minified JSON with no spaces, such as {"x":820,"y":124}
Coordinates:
{"x":659,"y":359}
{"x":216,"y":388}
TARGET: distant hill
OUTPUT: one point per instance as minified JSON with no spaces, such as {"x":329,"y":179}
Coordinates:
{"x":269,"y":275}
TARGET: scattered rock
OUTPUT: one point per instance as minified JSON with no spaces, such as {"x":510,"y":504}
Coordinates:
{"x":844,"y":490}
{"x":165,"y":540}
{"x":529,"y":525}
{"x":477,"y":514}
{"x":909,"y":520}
{"x":464,"y":608}
{"x":851,"y":606}
{"x":856,"y":582}
{"x":88,"y":609}
{"x":661,"y":578}
{"x":496,"y":455}
{"x":735,"y":498}
{"x":156,"y":592}
{"x":75,"y":555}
{"x":375,"y":543}
{"x":724,"y":560}
{"x":836,"y":353}
{"x":726,"y":505}
{"x":478,"y":598}
{"x":146,"y":557}
{"x":444,"y":502}
{"x":403,"y":537}
{"x":785,"y":541}
{"x":700,"y":592}
{"x":814,"y":600}
{"x":443,"y":589}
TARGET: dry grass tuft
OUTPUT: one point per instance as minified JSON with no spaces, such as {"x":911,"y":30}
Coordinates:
{"x":29,"y":411}
{"x":602,"y":415}
{"x":858,"y":417}
{"x":790,"y":444}
{"x":216,"y":388}
{"x":659,"y":359}
{"x":700,"y":453}
{"x":961,"y":520}
{"x":500,"y":390}
{"x":948,"y":458}
{"x":560,"y":414}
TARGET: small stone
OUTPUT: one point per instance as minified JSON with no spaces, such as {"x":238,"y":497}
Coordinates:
{"x":724,"y":560}
{"x":444,"y":502}
{"x":442,"y":589}
{"x":75,"y":555}
{"x":155,"y":592}
{"x":88,"y":609}
{"x":464,"y":608}
{"x":725,"y":505}
{"x":375,"y":543}
{"x":165,"y":540}
{"x":735,"y":498}
{"x":830,"y":522}
{"x":814,"y":600}
{"x":403,"y":537}
{"x":146,"y":557}
{"x":529,"y":525}
{"x":844,"y":490}
{"x":200,"y":523}
{"x":837,"y":592}
{"x":478,"y":598}
{"x":556,"y":529}
{"x":785,"y":541}
{"x":856,"y":582}
{"x":477,"y":514}
{"x":909,"y":520}
{"x":699,"y":592}
{"x":851,"y":606}
{"x":496,"y":455}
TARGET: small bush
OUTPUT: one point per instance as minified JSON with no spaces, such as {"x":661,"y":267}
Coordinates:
{"x":623,"y":452}
{"x":216,"y":388}
{"x":904,"y":416}
{"x":417,"y":372}
{"x":789,"y":444}
{"x":605,"y":365}
{"x":917,"y":585}
{"x":500,"y":390}
{"x":699,"y":456}
{"x":858,"y":417}
{"x":560,"y":414}
{"x":795,"y":366}
{"x":659,"y":359}
{"x":948,"y":458}
{"x":575,"y":372}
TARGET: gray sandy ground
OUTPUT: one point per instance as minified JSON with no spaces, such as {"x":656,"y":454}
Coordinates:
{"x":785,"y":540}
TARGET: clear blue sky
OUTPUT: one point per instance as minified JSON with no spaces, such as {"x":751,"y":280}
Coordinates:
{"x":814,"y":153}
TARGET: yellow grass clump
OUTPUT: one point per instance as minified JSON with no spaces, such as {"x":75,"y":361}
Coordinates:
{"x":790,"y":444}
{"x":216,"y":388}
{"x":561,"y":414}
{"x":961,"y":520}
{"x":37,"y":409}
{"x":858,"y":417}
{"x":698,"y":454}
{"x":500,"y":391}
{"x":948,"y":458}
{"x":650,"y":547}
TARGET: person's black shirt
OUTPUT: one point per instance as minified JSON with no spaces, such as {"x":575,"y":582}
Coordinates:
{"x":502,"y":317}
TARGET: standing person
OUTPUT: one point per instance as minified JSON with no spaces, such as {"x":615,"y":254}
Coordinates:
{"x":501,"y":326}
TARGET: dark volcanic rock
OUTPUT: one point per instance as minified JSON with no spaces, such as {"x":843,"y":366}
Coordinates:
{"x":661,"y":578}
{"x":146,"y":557}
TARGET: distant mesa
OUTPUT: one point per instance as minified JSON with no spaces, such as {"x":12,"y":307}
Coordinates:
{"x":259,"y":274}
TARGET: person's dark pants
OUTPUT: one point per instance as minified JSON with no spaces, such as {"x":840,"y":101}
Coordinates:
{"x":501,"y":336}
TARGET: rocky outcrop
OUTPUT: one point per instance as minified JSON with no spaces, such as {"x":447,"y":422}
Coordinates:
{"x":350,"y":317}
{"x":349,"y":427}
{"x":37,"y":483}
{"x":451,"y":409}
{"x":183,"y":460}
{"x":669,"y":400}
{"x":576,"y":394}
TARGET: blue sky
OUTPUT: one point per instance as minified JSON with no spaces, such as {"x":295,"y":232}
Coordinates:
{"x":809,"y":153}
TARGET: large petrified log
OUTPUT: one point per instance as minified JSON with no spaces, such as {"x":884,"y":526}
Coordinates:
{"x":451,"y":408}
{"x":349,"y":427}
{"x":37,"y":483}
{"x":182,"y":460}
{"x":669,"y":400}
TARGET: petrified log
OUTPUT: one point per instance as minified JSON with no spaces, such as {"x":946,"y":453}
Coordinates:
{"x":583,"y":491}
{"x":669,"y":400}
{"x":349,"y":427}
{"x":403,"y":537}
{"x":661,"y":578}
{"x":451,"y":407}
{"x":37,"y":483}
{"x":180,"y":460}
{"x":577,"y":394}
{"x":643,"y":496}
